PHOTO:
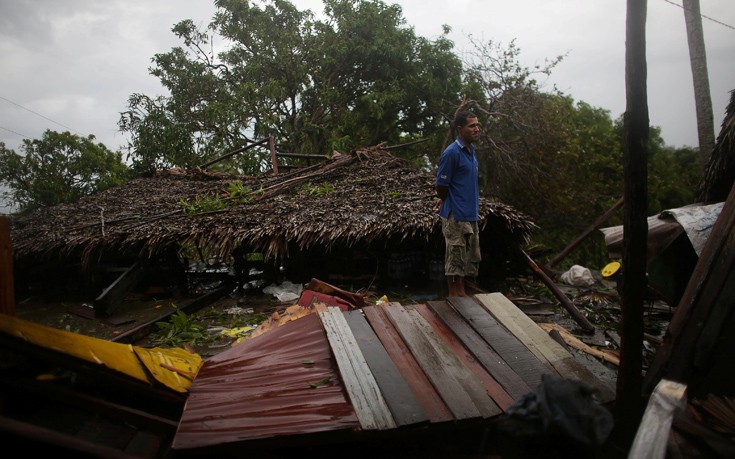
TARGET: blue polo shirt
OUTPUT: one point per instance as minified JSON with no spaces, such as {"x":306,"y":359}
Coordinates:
{"x":458,"y":171}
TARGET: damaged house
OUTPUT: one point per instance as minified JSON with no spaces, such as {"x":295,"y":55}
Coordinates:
{"x":363,"y":213}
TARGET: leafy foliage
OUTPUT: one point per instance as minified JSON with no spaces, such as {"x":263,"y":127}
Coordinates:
{"x":358,"y":77}
{"x":181,"y":329}
{"x":557,"y":160}
{"x":237,"y":193}
{"x":203,"y":204}
{"x":59,"y":167}
{"x":318,"y":190}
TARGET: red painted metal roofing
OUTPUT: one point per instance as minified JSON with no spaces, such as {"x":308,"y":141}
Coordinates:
{"x":264,"y":387}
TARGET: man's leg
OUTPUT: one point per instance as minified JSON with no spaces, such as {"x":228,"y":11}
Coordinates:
{"x":456,"y":286}
{"x":460,"y":286}
{"x":455,"y":258}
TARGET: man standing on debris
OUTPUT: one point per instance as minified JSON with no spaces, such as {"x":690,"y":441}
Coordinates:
{"x":458,"y":189}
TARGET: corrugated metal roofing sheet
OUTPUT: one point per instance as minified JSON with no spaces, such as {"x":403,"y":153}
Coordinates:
{"x":380,"y":368}
{"x":284,"y":382}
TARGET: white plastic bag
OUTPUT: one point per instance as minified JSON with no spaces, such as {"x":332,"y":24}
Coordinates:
{"x":285,"y":292}
{"x":578,"y":276}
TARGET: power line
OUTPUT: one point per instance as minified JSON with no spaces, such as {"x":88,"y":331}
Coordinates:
{"x":17,"y":133}
{"x":38,"y":114}
{"x":702,"y":15}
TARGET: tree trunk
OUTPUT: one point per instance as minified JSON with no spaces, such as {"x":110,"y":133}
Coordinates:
{"x":702,"y":97}
{"x":629,"y":401}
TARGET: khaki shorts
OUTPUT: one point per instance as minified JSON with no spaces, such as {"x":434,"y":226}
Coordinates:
{"x":462,"y":255}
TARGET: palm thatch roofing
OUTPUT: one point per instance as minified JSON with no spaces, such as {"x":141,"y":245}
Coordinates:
{"x":366,"y":196}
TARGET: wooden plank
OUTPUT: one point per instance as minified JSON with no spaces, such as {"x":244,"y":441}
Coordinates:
{"x":538,"y":341}
{"x":492,"y":387}
{"x":369,"y":404}
{"x":512,"y":351}
{"x":454,"y":364}
{"x":511,"y":382}
{"x":651,"y":440}
{"x":434,"y":407}
{"x":403,"y":404}
{"x":141,"y":331}
{"x":57,"y":441}
{"x":432,"y":361}
{"x":522,"y":327}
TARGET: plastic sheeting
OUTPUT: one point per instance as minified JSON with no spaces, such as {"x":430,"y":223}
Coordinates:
{"x":695,"y":220}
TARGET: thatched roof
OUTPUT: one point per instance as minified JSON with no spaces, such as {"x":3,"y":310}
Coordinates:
{"x":719,"y":172}
{"x":371,"y":195}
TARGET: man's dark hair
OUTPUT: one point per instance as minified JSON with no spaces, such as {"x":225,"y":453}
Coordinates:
{"x":460,"y":119}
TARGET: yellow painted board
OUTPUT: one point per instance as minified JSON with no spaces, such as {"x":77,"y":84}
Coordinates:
{"x":123,"y":358}
{"x":176,"y":368}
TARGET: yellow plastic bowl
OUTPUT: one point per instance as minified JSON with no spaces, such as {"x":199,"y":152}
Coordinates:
{"x":610,"y":269}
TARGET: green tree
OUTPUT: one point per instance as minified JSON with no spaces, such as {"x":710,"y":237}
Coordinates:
{"x":357,"y":77}
{"x":672,"y":178}
{"x":59,"y":167}
{"x":673,"y":173}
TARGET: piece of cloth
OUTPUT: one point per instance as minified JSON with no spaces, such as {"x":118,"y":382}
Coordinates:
{"x":462,"y":255}
{"x":567,"y":407}
{"x":458,"y":171}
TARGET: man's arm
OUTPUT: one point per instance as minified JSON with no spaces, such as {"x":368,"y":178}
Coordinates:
{"x":441,"y":191}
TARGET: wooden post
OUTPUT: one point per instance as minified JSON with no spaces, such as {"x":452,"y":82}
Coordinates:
{"x":7,"y":287}
{"x":629,"y":401}
{"x":272,"y":147}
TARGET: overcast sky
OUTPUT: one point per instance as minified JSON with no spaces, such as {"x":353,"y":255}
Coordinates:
{"x":72,"y":64}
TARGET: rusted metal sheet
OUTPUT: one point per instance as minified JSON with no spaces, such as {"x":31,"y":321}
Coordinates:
{"x":281,"y":383}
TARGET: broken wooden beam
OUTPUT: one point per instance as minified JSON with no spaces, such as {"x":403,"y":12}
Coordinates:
{"x":652,"y":437}
{"x":109,"y":300}
{"x":602,"y":219}
{"x":233,"y":153}
{"x":568,"y":305}
{"x":138,"y":333}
